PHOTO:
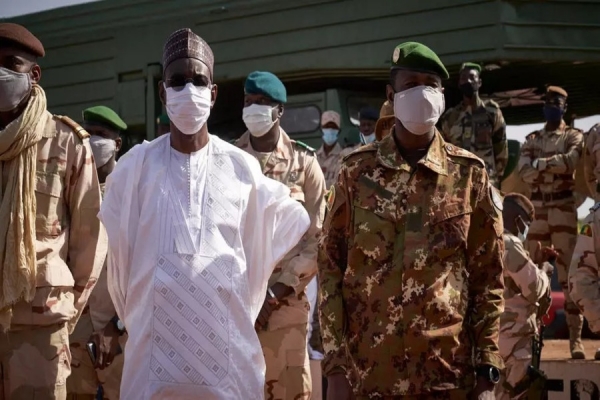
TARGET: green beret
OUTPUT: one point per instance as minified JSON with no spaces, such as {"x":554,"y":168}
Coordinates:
{"x":470,"y":65}
{"x":104,"y":115}
{"x":418,"y":57}
{"x":267,"y":84}
{"x":163,"y":119}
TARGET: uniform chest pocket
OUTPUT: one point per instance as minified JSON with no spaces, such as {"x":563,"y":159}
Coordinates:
{"x":49,"y":203}
{"x":483,"y":134}
{"x":449,"y":231}
{"x":373,"y":234}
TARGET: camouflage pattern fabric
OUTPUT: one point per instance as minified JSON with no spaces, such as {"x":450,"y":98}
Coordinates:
{"x":482,"y":132}
{"x":411,"y":271}
{"x":517,"y":363}
{"x":584,"y":273}
{"x":330,"y":163}
{"x":526,"y":286}
{"x":592,"y":158}
{"x":284,"y":341}
{"x":555,"y":221}
{"x":35,"y":363}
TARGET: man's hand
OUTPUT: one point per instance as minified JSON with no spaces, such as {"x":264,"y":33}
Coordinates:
{"x":107,"y":345}
{"x":545,"y":254}
{"x":280,"y":291}
{"x":484,"y":390}
{"x":338,"y":388}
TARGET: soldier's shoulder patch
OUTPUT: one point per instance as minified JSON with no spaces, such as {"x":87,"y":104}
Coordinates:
{"x":586,"y":230}
{"x":330,"y":198}
{"x":304,"y":146}
{"x":455,"y":151}
{"x":82,"y":133}
{"x":496,"y":198}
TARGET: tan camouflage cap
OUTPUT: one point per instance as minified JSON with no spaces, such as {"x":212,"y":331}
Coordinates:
{"x":522,"y":202}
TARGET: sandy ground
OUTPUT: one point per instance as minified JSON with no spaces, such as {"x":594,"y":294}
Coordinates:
{"x":559,"y":349}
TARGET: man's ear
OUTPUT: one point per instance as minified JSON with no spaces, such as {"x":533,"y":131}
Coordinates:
{"x":36,"y":74}
{"x":389,"y":93}
{"x":280,"y":109}
{"x":213,"y":95}
{"x":119,"y":144}
{"x":162,"y":93}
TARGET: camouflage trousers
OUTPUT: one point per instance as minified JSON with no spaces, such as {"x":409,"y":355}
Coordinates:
{"x":516,"y":364}
{"x":288,"y":368}
{"x":556,"y":225}
{"x":455,"y":394}
{"x":85,"y":379}
{"x":35,"y":363}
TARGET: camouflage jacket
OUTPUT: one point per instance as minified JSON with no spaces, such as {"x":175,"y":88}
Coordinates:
{"x":482,"y":132}
{"x":295,"y":165}
{"x":330,"y":163}
{"x":557,"y":153}
{"x":592,"y":148}
{"x":525,"y":285}
{"x":584,"y":274}
{"x":410,"y":267}
{"x":71,"y":243}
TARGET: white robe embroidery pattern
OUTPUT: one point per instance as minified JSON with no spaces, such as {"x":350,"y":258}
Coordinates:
{"x":191,"y":323}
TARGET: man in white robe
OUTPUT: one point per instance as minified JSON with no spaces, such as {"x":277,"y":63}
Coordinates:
{"x":195,"y":230}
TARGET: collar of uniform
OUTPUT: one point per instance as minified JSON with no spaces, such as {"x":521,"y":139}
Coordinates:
{"x":467,"y":107}
{"x":435,"y":159}
{"x":283,"y":150}
{"x":561,"y":129}
{"x":337,"y":149}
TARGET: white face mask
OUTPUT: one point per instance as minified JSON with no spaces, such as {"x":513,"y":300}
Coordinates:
{"x":258,"y":119}
{"x":367,"y":139}
{"x":419,"y":108}
{"x":523,"y":235}
{"x":14,"y":87}
{"x":103,"y":149}
{"x":189,"y":108}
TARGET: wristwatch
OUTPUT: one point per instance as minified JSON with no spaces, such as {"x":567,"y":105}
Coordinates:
{"x":488,"y":372}
{"x":118,"y":324}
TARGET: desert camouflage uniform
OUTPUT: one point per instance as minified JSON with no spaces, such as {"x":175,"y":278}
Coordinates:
{"x":330,"y":163}
{"x":482,"y":132}
{"x":526,"y":287}
{"x":592,"y":149}
{"x":284,"y":340}
{"x":71,"y":247}
{"x":84,"y":379}
{"x":411,"y":272}
{"x":552,"y":186}
{"x":584,"y":274}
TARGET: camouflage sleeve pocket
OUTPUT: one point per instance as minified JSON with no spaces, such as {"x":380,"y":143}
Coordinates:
{"x":49,"y":200}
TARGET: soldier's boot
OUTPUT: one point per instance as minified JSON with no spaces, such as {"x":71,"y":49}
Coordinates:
{"x":597,"y":355}
{"x":575,"y":323}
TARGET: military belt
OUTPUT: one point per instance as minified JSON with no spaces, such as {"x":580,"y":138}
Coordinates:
{"x":548,"y":197}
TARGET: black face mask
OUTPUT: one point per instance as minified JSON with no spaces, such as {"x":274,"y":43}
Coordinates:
{"x":468,"y":89}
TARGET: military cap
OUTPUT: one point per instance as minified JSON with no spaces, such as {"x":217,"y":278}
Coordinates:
{"x":267,"y":84}
{"x":522,"y":202}
{"x":470,"y":65}
{"x":19,"y":35}
{"x":556,"y":89}
{"x":184,"y":43}
{"x":105,"y":116}
{"x":418,"y":57}
{"x":368,"y":113}
{"x":331,"y":116}
{"x":163,"y":119}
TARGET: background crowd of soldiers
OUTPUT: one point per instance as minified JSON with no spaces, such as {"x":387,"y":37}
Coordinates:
{"x":548,"y":224}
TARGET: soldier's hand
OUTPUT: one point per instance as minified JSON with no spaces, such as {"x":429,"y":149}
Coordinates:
{"x":107,"y":345}
{"x":550,"y":254}
{"x":484,"y":390}
{"x":338,"y":388}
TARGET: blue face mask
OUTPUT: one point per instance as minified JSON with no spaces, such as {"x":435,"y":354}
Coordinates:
{"x":330,"y":136}
{"x":367,"y":139}
{"x":553,"y":113}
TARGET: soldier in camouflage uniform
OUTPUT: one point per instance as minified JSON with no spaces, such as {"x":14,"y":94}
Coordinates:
{"x":411,"y":257}
{"x":331,"y":152}
{"x":547,"y":164}
{"x":52,"y":245}
{"x":283,"y":321}
{"x":98,"y":323}
{"x":476,"y":125}
{"x":584,"y":273}
{"x":526,"y":294}
{"x":592,"y":154}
